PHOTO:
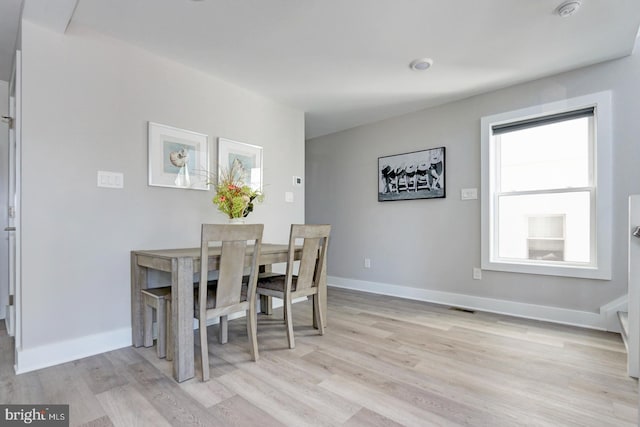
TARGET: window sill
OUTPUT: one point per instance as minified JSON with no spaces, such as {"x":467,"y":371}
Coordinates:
{"x":549,"y":270}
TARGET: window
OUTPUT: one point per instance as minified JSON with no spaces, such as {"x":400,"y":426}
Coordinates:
{"x":546,"y":180}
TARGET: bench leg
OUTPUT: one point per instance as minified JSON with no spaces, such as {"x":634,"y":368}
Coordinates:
{"x":148,"y":326}
{"x":169,"y":330}
{"x":161,"y":319}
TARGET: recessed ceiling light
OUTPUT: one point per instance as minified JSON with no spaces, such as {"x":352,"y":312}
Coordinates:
{"x":568,"y":8}
{"x":421,"y":64}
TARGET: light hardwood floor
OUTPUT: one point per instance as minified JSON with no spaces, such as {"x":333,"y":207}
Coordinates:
{"x":383,"y":361}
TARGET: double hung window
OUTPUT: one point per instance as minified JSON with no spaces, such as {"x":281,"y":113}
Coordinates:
{"x":546,"y":189}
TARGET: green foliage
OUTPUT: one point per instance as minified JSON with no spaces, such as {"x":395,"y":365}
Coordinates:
{"x":233,"y":197}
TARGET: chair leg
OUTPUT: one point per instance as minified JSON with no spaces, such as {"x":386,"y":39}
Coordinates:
{"x":288,"y":315}
{"x":223,"y":330}
{"x":317,"y":313}
{"x":148,"y":325}
{"x":161,"y":320}
{"x":170,"y":343}
{"x":252,"y":332}
{"x":204,"y":347}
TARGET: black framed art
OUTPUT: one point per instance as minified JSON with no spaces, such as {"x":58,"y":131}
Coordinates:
{"x":409,"y":176}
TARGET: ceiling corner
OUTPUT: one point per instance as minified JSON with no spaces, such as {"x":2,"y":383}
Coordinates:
{"x":52,"y":14}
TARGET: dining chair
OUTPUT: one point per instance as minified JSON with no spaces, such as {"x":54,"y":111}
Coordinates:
{"x":240,"y":248}
{"x":306,"y":283}
{"x":158,"y":300}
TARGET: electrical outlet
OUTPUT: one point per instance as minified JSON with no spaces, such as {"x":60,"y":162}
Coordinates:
{"x":367,"y":263}
{"x":477,"y":273}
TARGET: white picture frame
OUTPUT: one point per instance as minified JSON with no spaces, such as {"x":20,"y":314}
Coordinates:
{"x":178,"y":158}
{"x":249,"y":156}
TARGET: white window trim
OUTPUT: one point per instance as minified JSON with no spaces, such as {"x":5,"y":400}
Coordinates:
{"x":601,"y":101}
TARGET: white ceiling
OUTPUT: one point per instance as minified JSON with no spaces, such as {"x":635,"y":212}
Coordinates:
{"x":345,"y":62}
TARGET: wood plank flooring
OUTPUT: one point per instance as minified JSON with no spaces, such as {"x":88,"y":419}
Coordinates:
{"x":382,"y":362}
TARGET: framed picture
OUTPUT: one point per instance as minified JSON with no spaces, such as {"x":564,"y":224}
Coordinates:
{"x":246,"y":159}
{"x":178,"y":158}
{"x":416,"y":175}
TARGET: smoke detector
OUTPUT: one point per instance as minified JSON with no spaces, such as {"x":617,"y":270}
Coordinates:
{"x":568,"y":8}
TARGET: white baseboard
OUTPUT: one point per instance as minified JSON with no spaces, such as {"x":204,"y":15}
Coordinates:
{"x":44,"y":356}
{"x":31,"y":359}
{"x":563,"y":316}
{"x":610,"y":313}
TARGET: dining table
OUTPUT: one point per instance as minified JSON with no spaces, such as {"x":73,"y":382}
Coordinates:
{"x":182,"y":264}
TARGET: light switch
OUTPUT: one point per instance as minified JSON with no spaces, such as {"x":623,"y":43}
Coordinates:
{"x":288,"y":197}
{"x":110,"y":179}
{"x":468,"y":194}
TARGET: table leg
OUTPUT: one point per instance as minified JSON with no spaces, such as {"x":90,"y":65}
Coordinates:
{"x":223,"y":330}
{"x":182,"y":318}
{"x":138,"y":282}
{"x":266,"y":304}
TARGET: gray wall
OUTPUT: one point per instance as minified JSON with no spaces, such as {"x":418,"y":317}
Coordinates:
{"x":434,"y":244}
{"x":86,"y":102}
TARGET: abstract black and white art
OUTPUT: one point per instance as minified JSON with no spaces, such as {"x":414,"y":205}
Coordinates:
{"x":416,"y":175}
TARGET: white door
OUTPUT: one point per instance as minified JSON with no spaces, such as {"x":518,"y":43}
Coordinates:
{"x":4,"y":200}
{"x":10,"y":223}
{"x":633,"y":322}
{"x":13,"y":230}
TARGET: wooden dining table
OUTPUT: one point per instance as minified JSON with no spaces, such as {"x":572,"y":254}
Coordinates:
{"x":182,"y":264}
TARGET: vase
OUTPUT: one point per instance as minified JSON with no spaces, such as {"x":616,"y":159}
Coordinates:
{"x":236,"y":220}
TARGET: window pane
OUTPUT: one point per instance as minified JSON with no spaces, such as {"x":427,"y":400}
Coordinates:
{"x":545,"y":157}
{"x":547,"y":227}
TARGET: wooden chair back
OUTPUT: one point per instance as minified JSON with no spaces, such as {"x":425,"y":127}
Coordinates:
{"x":314,"y":254}
{"x":233,"y":260}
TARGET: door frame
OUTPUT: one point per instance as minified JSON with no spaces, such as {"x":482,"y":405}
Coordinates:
{"x":15,"y":161}
{"x":6,"y":236}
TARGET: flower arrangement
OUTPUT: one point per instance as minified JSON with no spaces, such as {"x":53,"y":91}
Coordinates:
{"x":233,"y":197}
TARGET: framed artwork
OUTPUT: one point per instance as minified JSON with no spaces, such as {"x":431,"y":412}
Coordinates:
{"x":416,"y":175}
{"x":245,"y":159}
{"x":178,"y":158}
